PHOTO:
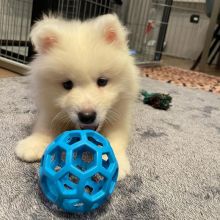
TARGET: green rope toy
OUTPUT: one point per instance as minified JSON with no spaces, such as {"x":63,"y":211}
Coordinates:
{"x":157,"y":100}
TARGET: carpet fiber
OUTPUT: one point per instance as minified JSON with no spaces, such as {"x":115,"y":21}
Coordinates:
{"x":175,"y":157}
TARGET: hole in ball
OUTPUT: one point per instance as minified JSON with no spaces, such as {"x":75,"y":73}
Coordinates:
{"x":87,"y":156}
{"x":79,"y":204}
{"x":73,"y":178}
{"x":74,"y":155}
{"x":94,"y":141}
{"x":105,"y":157}
{"x":72,"y":140}
{"x":97,"y":177}
{"x":57,"y":168}
{"x":63,"y":155}
{"x":80,"y":168}
{"x":52,"y":157}
{"x":67,"y":187}
{"x":88,"y":189}
{"x":105,"y":161}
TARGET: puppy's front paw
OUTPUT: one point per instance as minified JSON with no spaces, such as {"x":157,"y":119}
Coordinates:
{"x":32,"y":148}
{"x":124,"y":167}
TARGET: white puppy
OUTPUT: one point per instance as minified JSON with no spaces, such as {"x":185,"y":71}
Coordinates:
{"x":83,"y":78}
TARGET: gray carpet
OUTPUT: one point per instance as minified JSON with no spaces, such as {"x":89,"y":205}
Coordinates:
{"x":175,"y":156}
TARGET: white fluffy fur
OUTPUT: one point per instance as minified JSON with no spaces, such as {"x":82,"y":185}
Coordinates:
{"x":81,"y":52}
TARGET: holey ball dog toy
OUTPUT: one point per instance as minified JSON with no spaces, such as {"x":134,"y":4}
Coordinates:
{"x":78,"y":171}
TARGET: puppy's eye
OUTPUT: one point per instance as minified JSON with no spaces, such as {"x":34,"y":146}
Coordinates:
{"x":68,"y":85}
{"x":101,"y":82}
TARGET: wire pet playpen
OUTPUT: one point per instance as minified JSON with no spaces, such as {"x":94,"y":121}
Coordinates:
{"x":15,"y":23}
{"x":17,"y":17}
{"x":147,"y":20}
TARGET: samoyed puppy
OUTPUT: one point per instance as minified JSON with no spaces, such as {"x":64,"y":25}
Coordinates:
{"x":83,"y":78}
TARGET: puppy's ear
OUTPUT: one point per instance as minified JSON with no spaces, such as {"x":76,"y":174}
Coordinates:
{"x":44,"y":34}
{"x":111,"y":29}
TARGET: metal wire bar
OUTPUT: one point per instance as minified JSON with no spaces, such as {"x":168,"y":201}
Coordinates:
{"x":7,"y":25}
{"x":2,"y":22}
{"x":94,"y":13}
{"x":79,"y":6}
{"x":15,"y":27}
{"x":179,"y":7}
{"x":104,"y":4}
{"x":21,"y":27}
{"x":27,"y":43}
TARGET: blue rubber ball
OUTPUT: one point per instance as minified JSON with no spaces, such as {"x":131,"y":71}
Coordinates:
{"x":78,"y":171}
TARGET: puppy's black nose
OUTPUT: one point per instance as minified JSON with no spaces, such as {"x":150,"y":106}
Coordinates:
{"x":87,"y":117}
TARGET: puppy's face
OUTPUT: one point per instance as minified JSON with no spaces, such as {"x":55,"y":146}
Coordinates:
{"x":82,"y":69}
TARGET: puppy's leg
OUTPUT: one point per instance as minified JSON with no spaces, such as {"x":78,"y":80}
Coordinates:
{"x":32,"y":148}
{"x":118,"y":138}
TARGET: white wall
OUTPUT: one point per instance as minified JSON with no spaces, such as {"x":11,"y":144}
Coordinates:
{"x":185,"y":39}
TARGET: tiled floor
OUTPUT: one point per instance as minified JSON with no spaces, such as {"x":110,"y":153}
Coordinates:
{"x":184,"y":77}
{"x":187,"y":64}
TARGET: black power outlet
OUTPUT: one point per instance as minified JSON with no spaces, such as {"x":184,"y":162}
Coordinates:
{"x":194,"y":19}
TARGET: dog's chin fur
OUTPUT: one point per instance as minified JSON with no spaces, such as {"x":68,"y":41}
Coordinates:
{"x":81,"y":52}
